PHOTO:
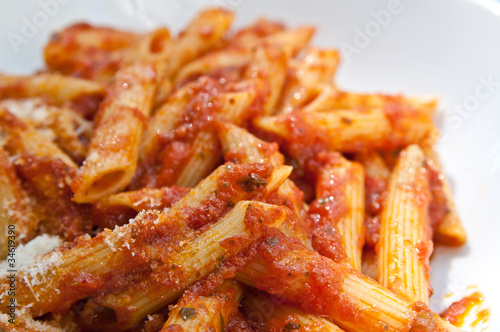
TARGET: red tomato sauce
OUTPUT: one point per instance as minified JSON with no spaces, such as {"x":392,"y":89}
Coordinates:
{"x":48,"y":181}
{"x":375,"y":195}
{"x":87,"y":104}
{"x":329,"y":207}
{"x":303,"y":277}
{"x":231,"y":187}
{"x":163,"y":166}
{"x":109,"y":216}
{"x":459,"y":310}
{"x":438,"y":208}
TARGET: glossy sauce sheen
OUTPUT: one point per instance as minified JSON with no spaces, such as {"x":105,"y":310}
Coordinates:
{"x":375,"y":194}
{"x":163,"y":165}
{"x":458,"y":311}
{"x":326,"y":210}
{"x":228,"y":189}
{"x":87,"y":50}
{"x":313,"y":283}
{"x":438,"y":207}
{"x":48,"y":181}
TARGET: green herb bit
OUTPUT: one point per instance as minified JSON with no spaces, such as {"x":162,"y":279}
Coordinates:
{"x":291,"y":326}
{"x":187,"y":313}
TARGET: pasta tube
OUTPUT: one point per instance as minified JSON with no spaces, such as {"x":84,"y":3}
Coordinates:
{"x":448,"y":227}
{"x":318,"y":285}
{"x":347,"y":130}
{"x":242,"y":147}
{"x":316,"y":68}
{"x":50,"y":285}
{"x":271,"y":314}
{"x":114,"y":148}
{"x":405,"y":245}
{"x":339,"y":208}
{"x":196,"y":257}
{"x":205,"y":313}
{"x":16,"y":214}
{"x":80,"y":94}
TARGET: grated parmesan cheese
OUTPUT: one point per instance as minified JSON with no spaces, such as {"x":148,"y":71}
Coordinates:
{"x":26,"y":254}
{"x":33,"y":109}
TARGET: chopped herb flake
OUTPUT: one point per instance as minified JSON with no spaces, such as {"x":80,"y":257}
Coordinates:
{"x":252,"y":182}
{"x":345,"y":120}
{"x":187,"y":313}
{"x":291,"y":326}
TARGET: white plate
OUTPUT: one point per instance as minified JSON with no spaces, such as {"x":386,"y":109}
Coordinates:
{"x":449,"y":48}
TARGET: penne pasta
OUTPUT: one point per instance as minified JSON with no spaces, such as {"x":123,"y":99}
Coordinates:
{"x":268,"y":315}
{"x":81,"y":36}
{"x":236,"y":107}
{"x":227,"y":64}
{"x":21,"y":138}
{"x":316,"y":68}
{"x":376,"y":181}
{"x":291,"y":41}
{"x":249,"y":36}
{"x":269,"y":65}
{"x":320,"y":99}
{"x":144,"y":199}
{"x":205,"y":313}
{"x":195,"y":258}
{"x":405,"y":245}
{"x":203,"y":33}
{"x":144,"y":179}
{"x":70,"y":131}
{"x":204,"y":158}
{"x":131,"y":249}
{"x":46,"y":173}
{"x":114,"y":148}
{"x":79,"y":94}
{"x":345,"y":130}
{"x":151,"y":47}
{"x":223,"y":65}
{"x":289,"y":195}
{"x":166,"y":119}
{"x":205,"y":155}
{"x":338,"y":212}
{"x":118,"y":209}
{"x":87,"y":51}
{"x":447,"y":226}
{"x":180,"y":137}
{"x":318,"y":285}
{"x":18,"y":223}
{"x":393,"y":103}
{"x":240,"y":146}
